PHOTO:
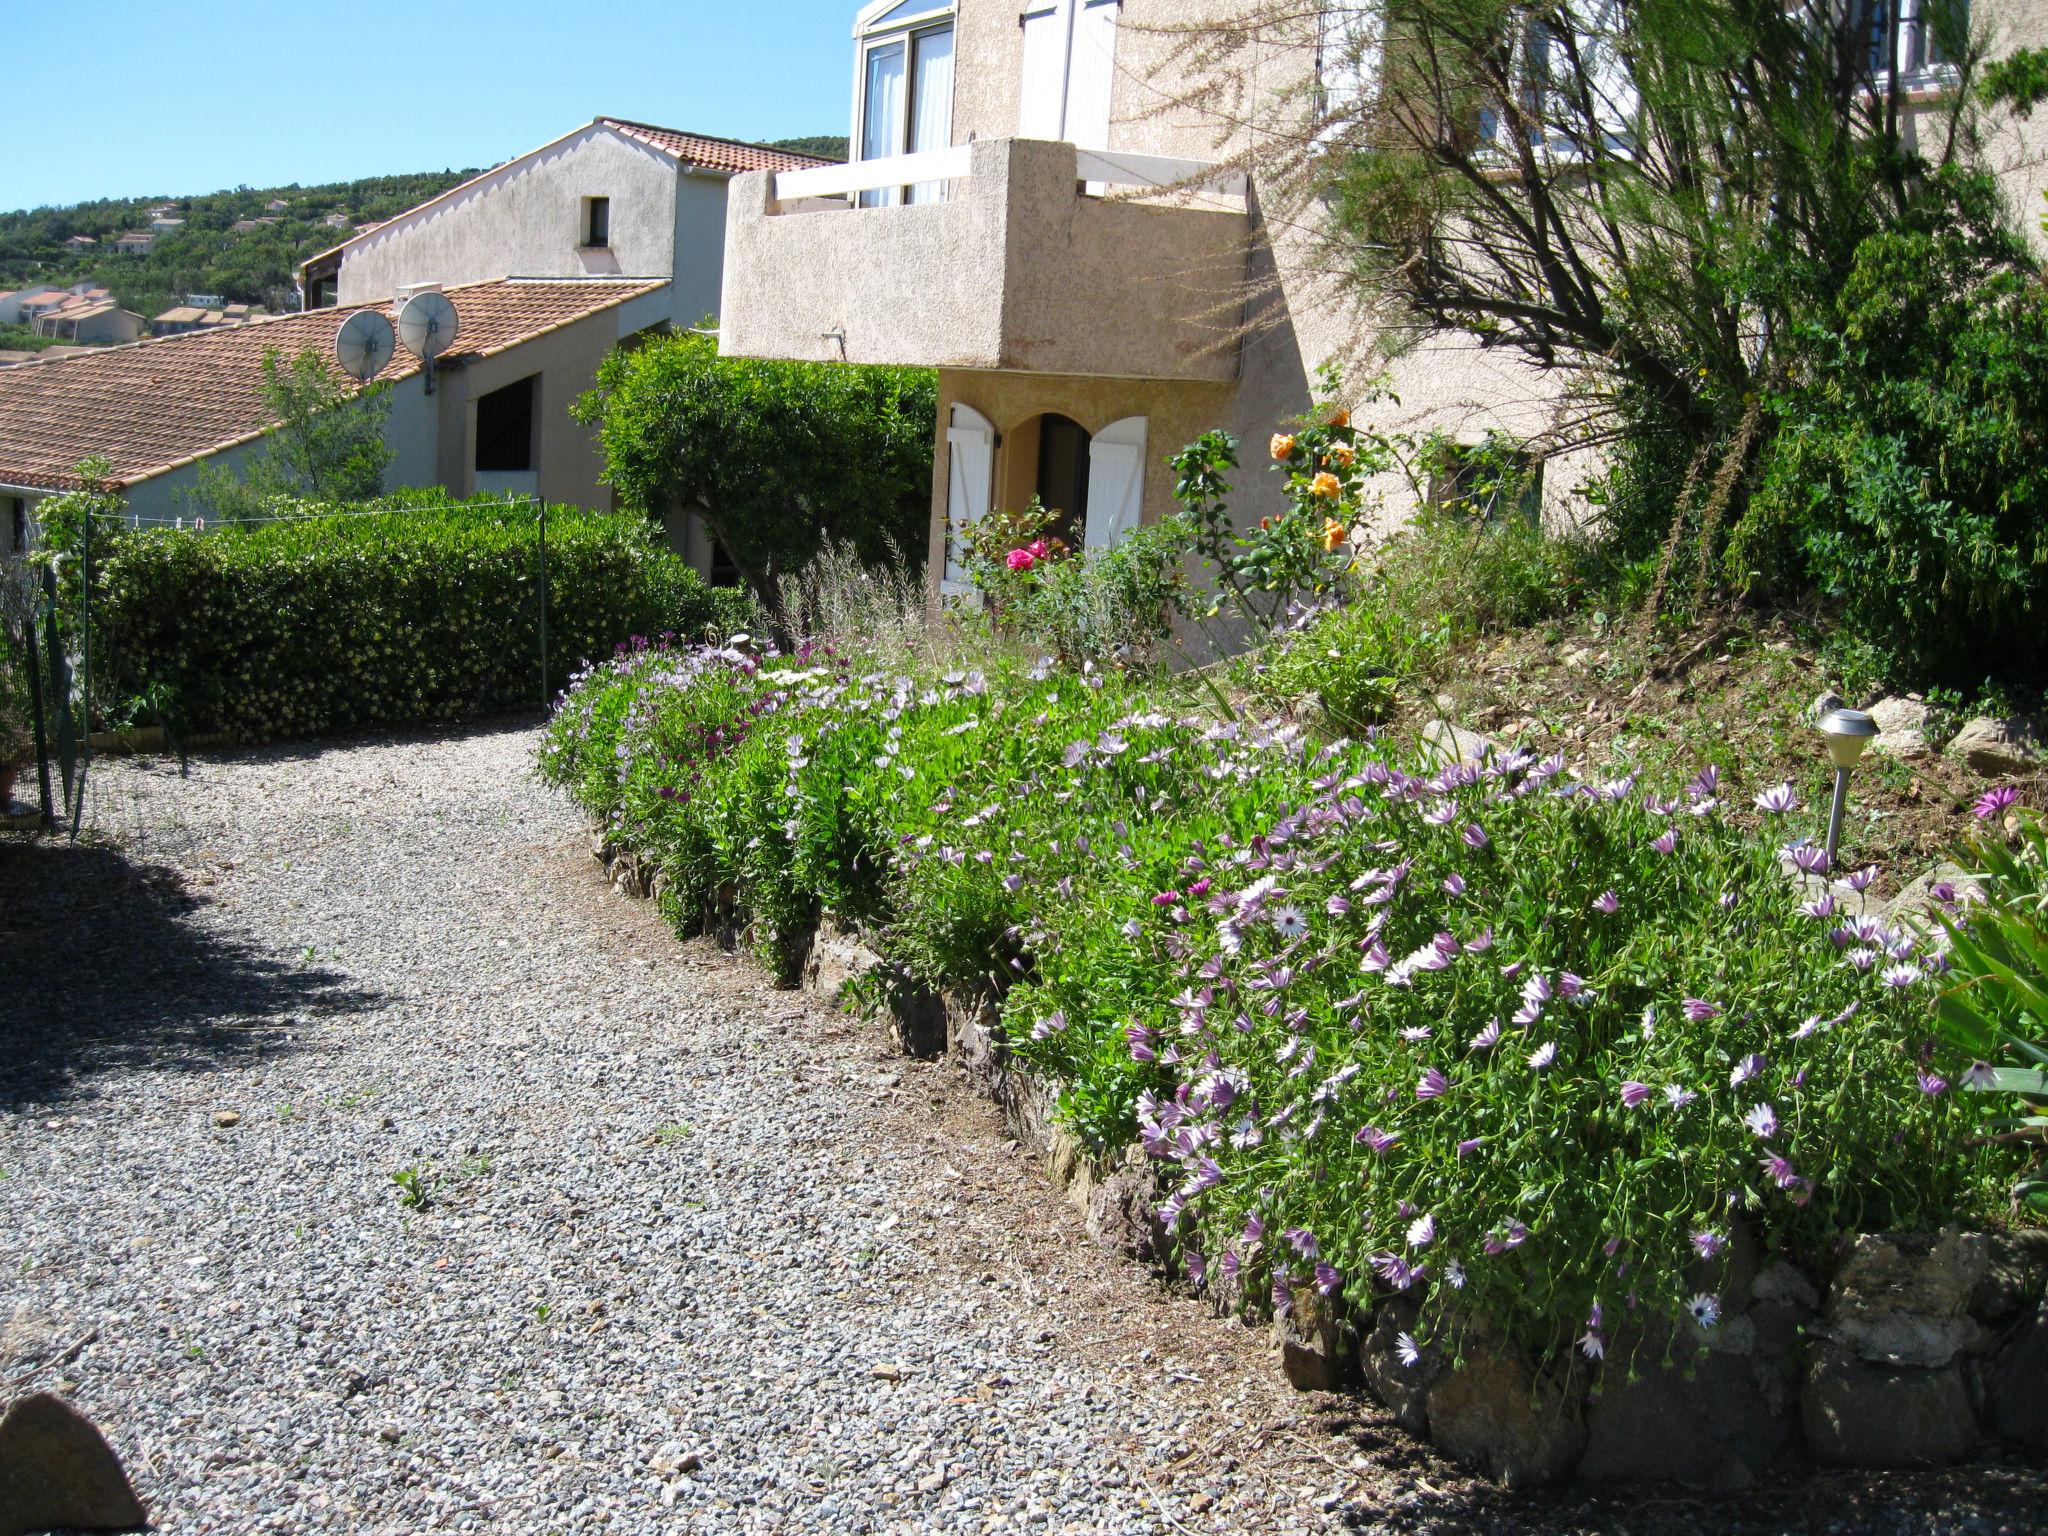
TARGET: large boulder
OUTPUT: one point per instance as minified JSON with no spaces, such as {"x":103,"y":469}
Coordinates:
{"x":1858,"y":1413}
{"x":1495,"y":1415}
{"x":1317,"y":1346}
{"x":58,"y":1472}
{"x":1905,"y":1300}
{"x":2016,"y":1385}
{"x":1446,"y":743}
{"x":1123,"y":1215}
{"x":1707,"y":1420}
{"x":1999,"y":749}
{"x":1404,"y":1388}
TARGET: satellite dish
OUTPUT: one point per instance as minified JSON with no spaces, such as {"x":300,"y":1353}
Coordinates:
{"x":427,"y":325}
{"x":363,"y":345}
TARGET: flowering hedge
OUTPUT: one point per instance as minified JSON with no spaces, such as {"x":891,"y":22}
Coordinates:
{"x":1525,"y":1047}
{"x":429,"y":612}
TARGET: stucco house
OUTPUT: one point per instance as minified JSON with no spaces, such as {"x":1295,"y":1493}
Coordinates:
{"x":496,"y":418}
{"x":1038,"y":207}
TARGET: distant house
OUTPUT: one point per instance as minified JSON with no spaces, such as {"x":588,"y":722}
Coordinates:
{"x":165,"y":225}
{"x":78,"y":245}
{"x":276,"y":205}
{"x":177,"y":320}
{"x":135,"y":242}
{"x":247,"y":226}
{"x":336,"y":221}
{"x":14,"y":306}
{"x":497,"y":419}
{"x":97,"y":321}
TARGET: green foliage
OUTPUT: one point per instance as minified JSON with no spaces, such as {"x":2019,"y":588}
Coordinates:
{"x":1907,"y":480}
{"x":1100,"y":605}
{"x":1995,"y":1014}
{"x":428,"y":611}
{"x":778,"y":458}
{"x":827,"y":146}
{"x":415,"y":1187}
{"x":2019,"y":81}
{"x":17,"y":737}
{"x":1256,"y":958}
{"x":328,"y":445}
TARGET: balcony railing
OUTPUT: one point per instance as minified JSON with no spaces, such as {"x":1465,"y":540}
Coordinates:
{"x":1095,"y":167}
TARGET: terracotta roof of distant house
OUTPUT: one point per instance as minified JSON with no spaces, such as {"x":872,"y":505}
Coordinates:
{"x":714,"y":154}
{"x":154,"y":405}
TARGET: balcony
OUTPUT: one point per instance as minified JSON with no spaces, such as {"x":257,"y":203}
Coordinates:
{"x":1023,"y":255}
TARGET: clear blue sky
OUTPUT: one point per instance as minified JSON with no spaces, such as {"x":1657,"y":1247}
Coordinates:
{"x":188,"y":96}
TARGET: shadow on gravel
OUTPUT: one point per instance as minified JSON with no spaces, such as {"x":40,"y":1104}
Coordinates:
{"x":499,"y":723}
{"x":102,"y":967}
{"x":1982,"y":1499}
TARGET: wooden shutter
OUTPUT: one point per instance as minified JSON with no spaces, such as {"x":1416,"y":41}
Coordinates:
{"x":1091,"y":73}
{"x":1042,"y":108}
{"x":970,"y":471}
{"x":1116,"y":482}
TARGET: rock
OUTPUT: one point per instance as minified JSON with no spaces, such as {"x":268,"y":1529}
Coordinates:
{"x":917,"y":1020}
{"x":1121,"y":1214}
{"x":836,"y":957}
{"x":1901,"y":727}
{"x":2015,"y":1265}
{"x":1491,"y":1414}
{"x":1917,"y":901}
{"x":226,"y":1118}
{"x":2016,"y":1386}
{"x":58,"y":1472}
{"x":1861,"y":1414}
{"x":1317,"y":1346}
{"x":1998,"y":748}
{"x":1781,"y":1282}
{"x":1702,"y":1420}
{"x":1403,"y":1388}
{"x":1826,"y":702}
{"x":671,"y":1459}
{"x":1448,"y":743}
{"x":1904,"y":1300}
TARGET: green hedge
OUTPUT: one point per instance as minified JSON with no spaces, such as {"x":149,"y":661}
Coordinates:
{"x":429,"y":611}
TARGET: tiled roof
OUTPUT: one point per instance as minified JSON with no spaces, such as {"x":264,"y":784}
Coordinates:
{"x":713,"y":154}
{"x":153,"y":405}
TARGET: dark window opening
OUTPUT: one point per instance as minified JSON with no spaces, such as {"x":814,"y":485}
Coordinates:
{"x":504,"y":427}
{"x":1487,"y":482}
{"x":725,"y":571}
{"x":17,"y":521}
{"x":1063,"y":474}
{"x":597,"y":221}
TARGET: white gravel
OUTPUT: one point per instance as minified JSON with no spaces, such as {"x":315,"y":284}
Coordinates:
{"x":695,"y":1255}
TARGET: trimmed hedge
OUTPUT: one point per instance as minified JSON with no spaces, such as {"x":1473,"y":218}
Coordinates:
{"x":429,"y":611}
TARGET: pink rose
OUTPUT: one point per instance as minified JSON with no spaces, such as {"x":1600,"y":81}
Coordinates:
{"x":1022,"y":560}
{"x":1036,"y":549}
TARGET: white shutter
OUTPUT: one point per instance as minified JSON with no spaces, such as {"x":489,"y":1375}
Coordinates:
{"x":1116,"y":482}
{"x":970,"y":471}
{"x":1042,"y":108}
{"x":1091,"y":73}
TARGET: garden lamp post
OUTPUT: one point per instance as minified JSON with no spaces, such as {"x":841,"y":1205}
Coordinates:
{"x":1847,"y":732}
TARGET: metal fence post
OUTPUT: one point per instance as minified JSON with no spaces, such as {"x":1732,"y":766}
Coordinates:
{"x":60,"y":687}
{"x":85,"y":682}
{"x":544,"y":691}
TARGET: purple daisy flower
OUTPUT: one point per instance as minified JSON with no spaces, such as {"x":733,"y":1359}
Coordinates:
{"x":1454,"y":885}
{"x":1762,"y":1122}
{"x":1708,"y":1243}
{"x":1487,"y":1038}
{"x":1863,"y":879}
{"x":1981,"y":1075}
{"x":1933,"y":1086}
{"x":1678,"y":1097}
{"x":1745,"y":1069}
{"x":1699,"y":1010}
{"x":1422,"y":1231}
{"x":1406,"y":1350}
{"x":1432,"y":1085}
{"x":1372,"y":1136}
{"x":1328,"y":1280}
{"x":1994,"y":801}
{"x":1634,"y":1095}
{"x":1543,"y":1056}
{"x":1607,"y":901}
{"x":1666,"y":841}
{"x":1779,"y":800}
{"x":1470,"y":1145}
{"x":1474,"y":835}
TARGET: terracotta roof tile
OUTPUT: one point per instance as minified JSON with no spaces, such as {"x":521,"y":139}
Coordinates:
{"x":153,"y":405}
{"x":714,"y":154}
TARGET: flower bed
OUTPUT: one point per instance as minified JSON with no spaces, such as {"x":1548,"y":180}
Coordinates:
{"x":1530,"y":1056}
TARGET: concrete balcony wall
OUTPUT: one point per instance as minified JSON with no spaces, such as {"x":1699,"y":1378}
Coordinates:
{"x":1018,"y":269}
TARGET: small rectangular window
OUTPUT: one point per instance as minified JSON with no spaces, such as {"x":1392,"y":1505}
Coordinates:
{"x":597,"y":221}
{"x":504,"y":428}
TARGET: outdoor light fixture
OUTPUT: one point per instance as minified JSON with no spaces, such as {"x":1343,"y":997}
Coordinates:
{"x":1847,"y":732}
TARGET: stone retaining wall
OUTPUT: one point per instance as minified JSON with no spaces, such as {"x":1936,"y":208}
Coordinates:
{"x":1919,"y":1348}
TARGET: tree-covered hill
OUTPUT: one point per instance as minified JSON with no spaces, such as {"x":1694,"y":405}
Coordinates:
{"x":208,"y":255}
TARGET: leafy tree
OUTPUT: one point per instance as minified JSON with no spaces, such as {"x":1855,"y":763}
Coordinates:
{"x":328,"y":445}
{"x":776,"y":457}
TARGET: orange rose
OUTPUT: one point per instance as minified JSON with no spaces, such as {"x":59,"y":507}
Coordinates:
{"x":1334,"y":533}
{"x":1265,"y":522}
{"x":1341,"y":419}
{"x":1344,"y":455}
{"x":1325,"y":485}
{"x":1282,"y":445}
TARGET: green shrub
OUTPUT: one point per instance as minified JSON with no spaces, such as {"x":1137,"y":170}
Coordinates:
{"x":1522,"y":1045}
{"x":427,"y":612}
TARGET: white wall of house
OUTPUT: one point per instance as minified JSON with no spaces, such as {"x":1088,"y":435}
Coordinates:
{"x":699,"y":245}
{"x":527,"y":219}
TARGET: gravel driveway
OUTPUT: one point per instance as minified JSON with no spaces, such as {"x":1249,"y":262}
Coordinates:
{"x":688,"y":1254}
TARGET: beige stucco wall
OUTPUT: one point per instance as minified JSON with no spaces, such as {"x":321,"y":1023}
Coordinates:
{"x":526,"y":222}
{"x":1015,"y":270}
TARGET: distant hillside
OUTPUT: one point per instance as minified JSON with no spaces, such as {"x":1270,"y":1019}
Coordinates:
{"x":252,"y":266}
{"x":823,"y":145}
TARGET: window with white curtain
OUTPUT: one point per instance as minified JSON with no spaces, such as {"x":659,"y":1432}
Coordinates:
{"x":1069,"y":70}
{"x":903,"y":89}
{"x":1905,"y":35}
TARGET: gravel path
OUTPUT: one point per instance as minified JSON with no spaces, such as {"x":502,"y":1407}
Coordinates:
{"x":691,"y":1255}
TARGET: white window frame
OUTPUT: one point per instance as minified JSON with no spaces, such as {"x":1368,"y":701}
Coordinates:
{"x":869,"y":34}
{"x":1912,"y":35}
